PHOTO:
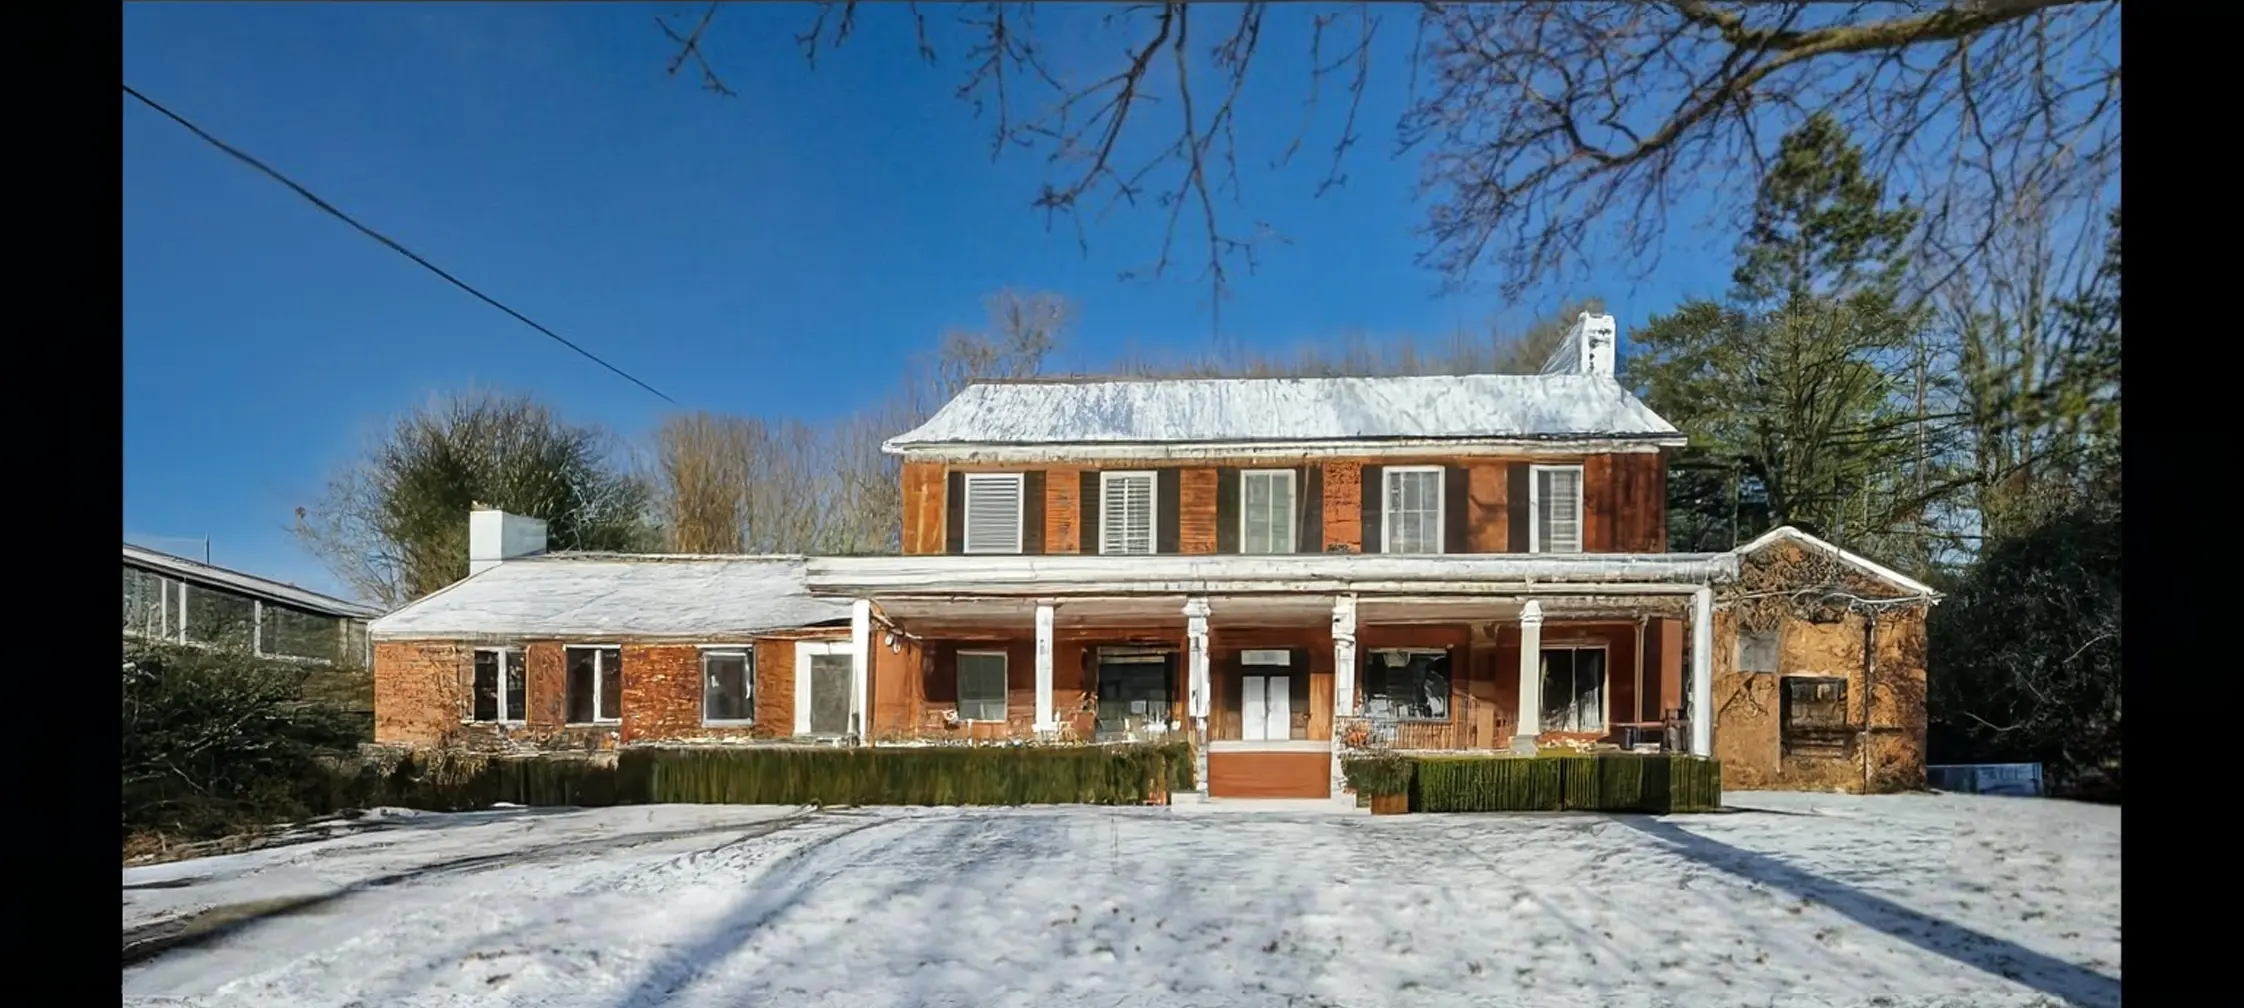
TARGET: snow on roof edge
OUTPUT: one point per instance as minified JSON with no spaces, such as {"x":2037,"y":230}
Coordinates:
{"x":1856,"y":560}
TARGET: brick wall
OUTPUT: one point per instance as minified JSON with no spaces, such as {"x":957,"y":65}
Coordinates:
{"x":775,"y":688}
{"x":1063,"y":510}
{"x":420,"y":691}
{"x":1344,"y":517}
{"x":1196,"y":511}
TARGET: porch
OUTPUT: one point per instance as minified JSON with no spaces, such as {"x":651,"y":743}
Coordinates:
{"x":1272,"y":681}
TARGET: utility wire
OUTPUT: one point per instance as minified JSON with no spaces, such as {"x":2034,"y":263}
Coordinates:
{"x":384,"y":239}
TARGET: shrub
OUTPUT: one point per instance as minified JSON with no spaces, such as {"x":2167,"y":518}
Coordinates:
{"x":926,"y":775}
{"x":1609,"y":782}
{"x":1379,"y":775}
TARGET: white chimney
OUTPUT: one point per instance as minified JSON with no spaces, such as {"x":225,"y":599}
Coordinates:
{"x":494,"y":535}
{"x":1587,"y":348}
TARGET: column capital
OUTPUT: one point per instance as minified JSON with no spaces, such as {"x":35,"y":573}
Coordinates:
{"x":1531,"y":613}
{"x":1196,"y":607}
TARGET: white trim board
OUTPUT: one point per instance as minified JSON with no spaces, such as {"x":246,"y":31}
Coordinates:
{"x":1863,"y":564}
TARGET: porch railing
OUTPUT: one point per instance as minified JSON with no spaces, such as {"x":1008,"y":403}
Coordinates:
{"x":1369,"y":732}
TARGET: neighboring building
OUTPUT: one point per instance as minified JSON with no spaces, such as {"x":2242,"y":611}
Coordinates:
{"x":1277,"y":570}
{"x":169,"y":598}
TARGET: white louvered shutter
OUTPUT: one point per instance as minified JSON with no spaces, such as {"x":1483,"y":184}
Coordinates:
{"x":993,"y":513}
{"x":1126,"y":513}
{"x":1560,"y":499}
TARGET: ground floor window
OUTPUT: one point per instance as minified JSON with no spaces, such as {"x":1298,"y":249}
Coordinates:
{"x":595,"y":684}
{"x":1815,"y":715}
{"x":498,"y":685}
{"x":981,"y":685}
{"x":1407,"y":684}
{"x":1134,"y":694}
{"x":728,"y":683}
{"x":1574,"y":689}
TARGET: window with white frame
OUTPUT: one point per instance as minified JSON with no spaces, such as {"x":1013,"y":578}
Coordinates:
{"x":498,"y":690}
{"x":1266,"y":511}
{"x":728,"y":684}
{"x":1126,"y":512}
{"x":1557,"y":503}
{"x":993,"y":513}
{"x":981,"y":685}
{"x":595,"y":684}
{"x":1573,"y":689}
{"x":1412,"y":520}
{"x":1406,"y":684}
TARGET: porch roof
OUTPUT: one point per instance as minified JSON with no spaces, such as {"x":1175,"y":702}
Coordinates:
{"x":618,"y":595}
{"x":1466,"y":574}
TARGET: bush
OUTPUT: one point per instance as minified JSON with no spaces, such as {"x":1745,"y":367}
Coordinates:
{"x":1612,"y":782}
{"x":216,"y":740}
{"x":929,"y":775}
{"x":1379,"y":775}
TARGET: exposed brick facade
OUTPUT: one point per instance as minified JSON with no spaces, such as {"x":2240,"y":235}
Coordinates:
{"x":419,"y":691}
{"x":1063,"y":510}
{"x":1343,"y":511}
{"x":1196,"y":511}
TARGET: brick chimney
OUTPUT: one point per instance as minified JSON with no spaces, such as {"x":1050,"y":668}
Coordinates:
{"x":1586,"y":349}
{"x":494,"y":536}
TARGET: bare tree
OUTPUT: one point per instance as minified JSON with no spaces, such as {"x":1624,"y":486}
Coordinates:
{"x":1497,"y":351}
{"x":706,"y":470}
{"x":1550,"y":132}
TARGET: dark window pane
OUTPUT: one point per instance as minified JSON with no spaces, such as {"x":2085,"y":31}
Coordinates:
{"x":515,"y":707}
{"x":981,"y":687}
{"x":1407,"y":685}
{"x":611,"y":684}
{"x":294,"y":634}
{"x":1574,"y":689}
{"x":219,"y":618}
{"x":144,"y":602}
{"x":487,"y":685}
{"x":582,"y":682}
{"x":725,"y":686}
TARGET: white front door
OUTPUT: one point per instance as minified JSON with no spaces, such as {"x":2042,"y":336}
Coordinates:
{"x":1265,"y":708}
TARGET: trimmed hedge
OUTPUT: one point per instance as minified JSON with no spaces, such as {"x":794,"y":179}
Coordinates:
{"x":930,"y":775}
{"x":1379,"y":775}
{"x":1612,"y":782}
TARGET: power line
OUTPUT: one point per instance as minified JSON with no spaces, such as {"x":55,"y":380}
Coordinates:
{"x":385,"y":239}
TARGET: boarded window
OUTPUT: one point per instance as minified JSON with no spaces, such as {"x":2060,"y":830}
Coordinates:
{"x":993,"y":513}
{"x":728,"y":680}
{"x":981,"y":685}
{"x":1407,"y":685}
{"x":595,"y":684}
{"x":144,"y":602}
{"x":1815,"y":716}
{"x":292,"y":633}
{"x":1412,"y":523}
{"x":1573,"y":689}
{"x":220,"y":618}
{"x":1757,"y":652}
{"x":1126,"y":512}
{"x":498,"y":685}
{"x":1266,"y":511}
{"x":1558,"y":509}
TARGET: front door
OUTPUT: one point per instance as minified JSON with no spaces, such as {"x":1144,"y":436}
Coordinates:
{"x":825,"y":678}
{"x":1266,"y":708}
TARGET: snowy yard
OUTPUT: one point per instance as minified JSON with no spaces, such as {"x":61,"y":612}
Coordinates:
{"x":1820,"y":900}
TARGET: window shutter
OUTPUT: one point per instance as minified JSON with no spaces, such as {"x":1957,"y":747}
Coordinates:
{"x":1087,"y":513}
{"x":954,"y":513}
{"x":1561,"y":503}
{"x":1373,"y":491}
{"x":1032,"y":511}
{"x":1518,"y":512}
{"x":1166,"y":538}
{"x":993,"y":513}
{"x":1227,"y":511}
{"x":1310,"y":537}
{"x":1456,"y":508}
{"x":1128,"y":512}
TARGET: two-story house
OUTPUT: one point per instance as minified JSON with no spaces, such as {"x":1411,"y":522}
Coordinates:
{"x":1275,"y":570}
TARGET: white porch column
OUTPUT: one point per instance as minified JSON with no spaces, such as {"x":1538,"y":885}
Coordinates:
{"x":1343,"y":681}
{"x":1197,"y":697}
{"x":1530,"y":720}
{"x":1702,"y":671}
{"x":861,"y":669}
{"x":1045,"y":722}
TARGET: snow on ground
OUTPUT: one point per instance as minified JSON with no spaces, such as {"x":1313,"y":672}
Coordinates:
{"x":1812,"y":900}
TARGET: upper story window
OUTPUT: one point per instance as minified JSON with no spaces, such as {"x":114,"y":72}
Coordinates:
{"x":993,"y":513}
{"x":1557,"y":504}
{"x":1126,"y":512}
{"x":1413,"y":520}
{"x":1266,"y":511}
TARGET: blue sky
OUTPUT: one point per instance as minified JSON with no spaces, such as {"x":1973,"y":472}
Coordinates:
{"x":775,"y":254}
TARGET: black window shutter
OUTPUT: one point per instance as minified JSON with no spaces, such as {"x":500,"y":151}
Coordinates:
{"x":1309,"y":534}
{"x":1087,"y":513}
{"x":954,"y":513}
{"x":1517,"y":513}
{"x":1166,"y":500}
{"x":1456,"y":531}
{"x":1032,"y":511}
{"x":1227,"y":511}
{"x":1373,"y":490}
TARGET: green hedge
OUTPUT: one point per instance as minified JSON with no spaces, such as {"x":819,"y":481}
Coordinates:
{"x":1613,"y":782}
{"x":926,"y":775}
{"x":1379,"y":775}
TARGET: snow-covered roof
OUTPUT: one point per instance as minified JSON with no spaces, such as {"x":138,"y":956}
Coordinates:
{"x":1479,"y":407}
{"x":1059,"y":574}
{"x":1786,"y":533}
{"x":248,"y":584}
{"x":621,"y":595}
